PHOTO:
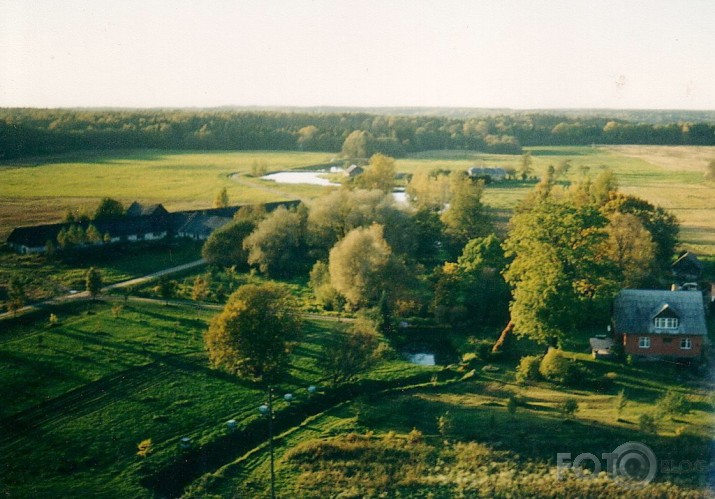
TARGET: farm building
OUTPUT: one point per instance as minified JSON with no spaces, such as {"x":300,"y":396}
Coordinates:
{"x":353,"y":171}
{"x":488,"y":174}
{"x":200,"y":226}
{"x":660,"y":324}
{"x":687,"y":268}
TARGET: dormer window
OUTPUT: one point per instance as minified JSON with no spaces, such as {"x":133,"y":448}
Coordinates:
{"x":666,"y":322}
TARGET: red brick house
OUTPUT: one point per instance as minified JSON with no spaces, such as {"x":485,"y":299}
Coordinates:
{"x":660,"y":324}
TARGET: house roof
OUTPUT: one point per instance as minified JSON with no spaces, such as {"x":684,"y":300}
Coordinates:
{"x":35,"y":236}
{"x":137,"y":210}
{"x":203,"y":225}
{"x":635,"y":311}
{"x":688,"y":261}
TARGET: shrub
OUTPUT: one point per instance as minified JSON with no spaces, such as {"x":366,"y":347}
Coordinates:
{"x":445,"y":424}
{"x":54,"y":320}
{"x":415,"y":436}
{"x":145,"y":447}
{"x":557,"y":368}
{"x":619,"y":403}
{"x":673,"y":404}
{"x":528,"y":369}
{"x":569,"y":407}
{"x":117,"y":310}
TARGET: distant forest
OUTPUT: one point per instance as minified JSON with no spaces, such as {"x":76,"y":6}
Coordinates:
{"x":34,"y":132}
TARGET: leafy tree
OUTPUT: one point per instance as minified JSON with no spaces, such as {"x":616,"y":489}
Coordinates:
{"x":254,"y":334}
{"x":332,"y":216}
{"x":662,"y":225}
{"x":92,"y":235}
{"x":379,"y":174}
{"x":166,"y":288}
{"x":466,"y":217}
{"x":429,"y":191}
{"x":569,"y":407}
{"x":221,"y":199}
{"x":559,"y":279}
{"x":145,"y":447}
{"x":356,"y":145}
{"x":16,"y":295}
{"x":525,"y":168}
{"x":360,"y":266}
{"x":351,"y":353}
{"x":630,"y":247}
{"x":620,"y":402}
{"x":259,"y":168}
{"x":673,"y":404}
{"x":108,"y":209}
{"x":512,"y":404}
{"x":224,"y":246}
{"x":93,"y":282}
{"x":324,"y":292}
{"x":200,"y":288}
{"x":277,"y":245}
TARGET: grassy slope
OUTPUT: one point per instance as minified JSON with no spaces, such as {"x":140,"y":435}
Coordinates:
{"x":79,"y":397}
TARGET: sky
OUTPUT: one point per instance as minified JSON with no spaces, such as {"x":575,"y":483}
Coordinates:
{"x":520,"y":54}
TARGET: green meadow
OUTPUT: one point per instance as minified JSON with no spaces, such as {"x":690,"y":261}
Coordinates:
{"x":41,"y":191}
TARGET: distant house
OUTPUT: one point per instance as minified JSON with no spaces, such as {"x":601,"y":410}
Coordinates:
{"x":660,"y":324}
{"x":200,"y":227}
{"x":687,"y":268}
{"x":488,"y":174}
{"x":353,"y":171}
{"x":34,"y":239}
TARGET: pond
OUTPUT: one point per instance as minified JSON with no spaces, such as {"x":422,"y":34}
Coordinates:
{"x":428,"y":348}
{"x":316,"y":178}
{"x":300,"y":177}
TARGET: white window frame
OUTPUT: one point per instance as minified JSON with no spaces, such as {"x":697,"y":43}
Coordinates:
{"x":666,"y":322}
{"x":686,"y":344}
{"x":644,"y":342}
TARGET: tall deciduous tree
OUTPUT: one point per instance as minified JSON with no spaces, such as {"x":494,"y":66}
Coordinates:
{"x":662,"y":225}
{"x":221,"y":199}
{"x":93,"y":282}
{"x":254,"y":334}
{"x":466,"y":217}
{"x":379,"y":174}
{"x":109,"y":209}
{"x":225,"y":245}
{"x":277,"y":245}
{"x":559,"y":277}
{"x":351,"y":353}
{"x":630,"y":247}
{"x":16,"y":295}
{"x":356,"y":145}
{"x":525,"y":168}
{"x":360,"y":266}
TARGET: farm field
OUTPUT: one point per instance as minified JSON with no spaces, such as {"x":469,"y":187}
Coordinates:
{"x":42,"y":191}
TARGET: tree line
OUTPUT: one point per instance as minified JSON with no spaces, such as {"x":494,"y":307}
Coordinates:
{"x":34,"y":132}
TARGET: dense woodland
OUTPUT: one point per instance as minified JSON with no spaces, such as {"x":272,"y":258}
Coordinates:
{"x":32,"y":132}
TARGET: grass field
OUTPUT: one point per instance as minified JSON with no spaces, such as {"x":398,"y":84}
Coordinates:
{"x":41,"y":191}
{"x":79,"y":397}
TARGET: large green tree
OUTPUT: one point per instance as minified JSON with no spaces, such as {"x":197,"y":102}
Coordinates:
{"x":93,"y":282}
{"x":559,"y":276}
{"x":225,"y":245}
{"x":350,"y":353}
{"x":255,"y":332}
{"x":109,"y":209}
{"x":379,"y":174}
{"x":362,"y":266}
{"x":466,"y":218}
{"x":662,"y":225}
{"x":277,"y":245}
